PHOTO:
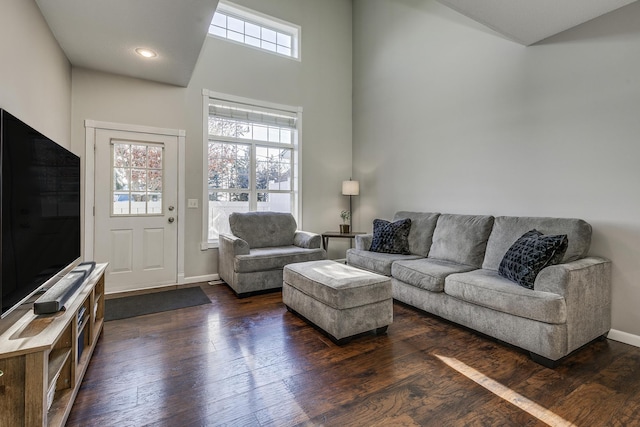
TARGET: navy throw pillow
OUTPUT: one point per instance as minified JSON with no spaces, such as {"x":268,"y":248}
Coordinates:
{"x":531,"y":253}
{"x":391,"y":237}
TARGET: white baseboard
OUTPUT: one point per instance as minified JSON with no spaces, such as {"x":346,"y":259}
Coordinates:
{"x":115,"y":293}
{"x":199,"y":279}
{"x":624,"y":337}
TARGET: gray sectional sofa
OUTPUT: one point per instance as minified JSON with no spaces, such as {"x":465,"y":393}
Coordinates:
{"x":452,"y":271}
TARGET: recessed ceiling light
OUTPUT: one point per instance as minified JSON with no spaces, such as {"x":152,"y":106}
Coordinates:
{"x":147,"y":53}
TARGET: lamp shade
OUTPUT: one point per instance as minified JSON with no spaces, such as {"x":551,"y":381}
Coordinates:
{"x":350,"y":188}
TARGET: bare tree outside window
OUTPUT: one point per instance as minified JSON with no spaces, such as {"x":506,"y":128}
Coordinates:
{"x":250,"y":161}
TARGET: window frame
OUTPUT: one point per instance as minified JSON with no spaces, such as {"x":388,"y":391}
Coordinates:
{"x":264,"y":21}
{"x":130,"y":192}
{"x":296,"y":157}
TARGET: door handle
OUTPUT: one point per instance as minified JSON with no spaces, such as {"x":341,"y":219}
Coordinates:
{"x":171,"y":219}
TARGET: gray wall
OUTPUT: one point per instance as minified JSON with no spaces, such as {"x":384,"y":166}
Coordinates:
{"x":451,"y":117}
{"x":35,"y":75}
{"x":321,"y":84}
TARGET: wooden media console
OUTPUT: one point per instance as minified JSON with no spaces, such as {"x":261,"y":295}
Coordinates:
{"x":43,"y":358}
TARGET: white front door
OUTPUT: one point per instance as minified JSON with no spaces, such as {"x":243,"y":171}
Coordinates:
{"x":136,"y":208}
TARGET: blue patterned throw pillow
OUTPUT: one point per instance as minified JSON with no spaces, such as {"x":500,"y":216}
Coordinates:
{"x":531,"y":253}
{"x":391,"y":237}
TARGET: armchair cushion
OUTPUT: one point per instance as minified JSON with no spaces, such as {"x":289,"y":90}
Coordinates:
{"x":263,"y":229}
{"x":264,"y":259}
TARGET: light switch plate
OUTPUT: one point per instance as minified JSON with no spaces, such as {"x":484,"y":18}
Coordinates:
{"x":192,"y":203}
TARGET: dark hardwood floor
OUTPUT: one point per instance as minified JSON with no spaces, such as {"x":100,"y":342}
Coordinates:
{"x":249,"y":362}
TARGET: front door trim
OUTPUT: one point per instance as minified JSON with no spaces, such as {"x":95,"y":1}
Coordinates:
{"x":91,"y":126}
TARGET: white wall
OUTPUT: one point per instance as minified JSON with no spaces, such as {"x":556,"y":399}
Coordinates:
{"x":321,"y":84}
{"x":451,"y":117}
{"x":35,"y":76}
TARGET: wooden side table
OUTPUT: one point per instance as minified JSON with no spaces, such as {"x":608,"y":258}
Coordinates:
{"x":336,"y":234}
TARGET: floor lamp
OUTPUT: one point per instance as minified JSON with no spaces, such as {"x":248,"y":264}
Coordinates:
{"x":350,"y":188}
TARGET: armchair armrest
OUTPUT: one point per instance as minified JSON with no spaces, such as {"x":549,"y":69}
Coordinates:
{"x":307,"y":240}
{"x":232,"y":245}
{"x":363,"y":241}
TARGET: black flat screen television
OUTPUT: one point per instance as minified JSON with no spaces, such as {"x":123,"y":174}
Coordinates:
{"x":40,"y":211}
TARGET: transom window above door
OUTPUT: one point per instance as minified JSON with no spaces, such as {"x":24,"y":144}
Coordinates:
{"x":136,"y":187}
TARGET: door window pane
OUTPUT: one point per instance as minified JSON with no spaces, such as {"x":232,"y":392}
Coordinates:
{"x":137,"y":179}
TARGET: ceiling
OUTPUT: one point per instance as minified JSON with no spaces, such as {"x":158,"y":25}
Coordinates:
{"x":530,"y":21}
{"x":103,"y":34}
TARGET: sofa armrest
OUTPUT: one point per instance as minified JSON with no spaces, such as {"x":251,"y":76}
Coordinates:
{"x":307,"y":240}
{"x":363,"y":241}
{"x":586,"y":287}
{"x":576,"y":276}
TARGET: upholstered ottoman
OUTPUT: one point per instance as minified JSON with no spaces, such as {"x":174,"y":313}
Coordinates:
{"x":341,"y":300}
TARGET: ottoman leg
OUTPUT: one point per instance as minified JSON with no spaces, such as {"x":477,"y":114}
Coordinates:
{"x":382,"y":331}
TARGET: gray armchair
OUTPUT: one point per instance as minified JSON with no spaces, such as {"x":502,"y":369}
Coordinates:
{"x":251,"y":259}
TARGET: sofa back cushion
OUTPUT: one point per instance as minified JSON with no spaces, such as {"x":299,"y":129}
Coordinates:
{"x":461,"y":238}
{"x":508,"y":229}
{"x":421,"y":234}
{"x":263,"y":229}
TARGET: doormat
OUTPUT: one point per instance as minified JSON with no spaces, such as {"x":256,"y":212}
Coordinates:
{"x":156,"y":302}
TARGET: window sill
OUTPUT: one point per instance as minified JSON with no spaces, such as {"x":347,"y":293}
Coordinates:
{"x":209,"y":245}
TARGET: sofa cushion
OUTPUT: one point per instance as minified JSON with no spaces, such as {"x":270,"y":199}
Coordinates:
{"x":421,"y":234}
{"x":507,"y":229}
{"x":461,"y":238}
{"x":531,"y":253}
{"x":426,"y":273}
{"x":263,"y":229}
{"x":488,"y":289}
{"x":263,"y":259}
{"x":375,"y":261}
{"x":391,"y":237}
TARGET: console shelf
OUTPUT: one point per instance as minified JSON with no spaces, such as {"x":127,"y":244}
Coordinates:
{"x":43,"y":358}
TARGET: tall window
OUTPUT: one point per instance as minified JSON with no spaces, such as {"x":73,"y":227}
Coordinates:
{"x":251,"y":159}
{"x":254,"y":29}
